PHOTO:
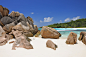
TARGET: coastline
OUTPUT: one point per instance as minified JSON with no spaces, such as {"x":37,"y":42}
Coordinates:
{"x":40,"y":49}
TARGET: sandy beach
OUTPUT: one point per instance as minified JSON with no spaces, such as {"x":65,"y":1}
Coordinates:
{"x":43,"y":28}
{"x":40,"y":49}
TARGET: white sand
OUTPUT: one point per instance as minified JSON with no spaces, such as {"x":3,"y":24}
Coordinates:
{"x":40,"y":49}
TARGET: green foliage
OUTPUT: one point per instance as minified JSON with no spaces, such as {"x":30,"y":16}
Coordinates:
{"x":72,"y":24}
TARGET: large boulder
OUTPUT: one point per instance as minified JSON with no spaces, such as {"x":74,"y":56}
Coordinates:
{"x":6,"y":20}
{"x":8,"y":27}
{"x":5,"y":11}
{"x":48,"y":32}
{"x":50,"y":44}
{"x":14,"y":14}
{"x":72,"y":38}
{"x":14,"y":18}
{"x":83,"y":37}
{"x":22,"y":19}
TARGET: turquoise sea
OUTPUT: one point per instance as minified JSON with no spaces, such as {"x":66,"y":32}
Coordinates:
{"x":66,"y":31}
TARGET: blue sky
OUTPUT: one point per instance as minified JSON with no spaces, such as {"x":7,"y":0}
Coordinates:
{"x":46,"y":12}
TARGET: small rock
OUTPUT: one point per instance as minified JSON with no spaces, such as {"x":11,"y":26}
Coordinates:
{"x":37,"y":34}
{"x":50,"y":44}
{"x":11,"y":42}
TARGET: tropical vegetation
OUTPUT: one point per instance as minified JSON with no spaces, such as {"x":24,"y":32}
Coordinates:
{"x":79,"y":23}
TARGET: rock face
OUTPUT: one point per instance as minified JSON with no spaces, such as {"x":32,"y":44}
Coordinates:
{"x":50,"y":44}
{"x":20,"y":38}
{"x":72,"y":38}
{"x":48,"y":32}
{"x":83,"y":37}
{"x":14,"y":14}
{"x":23,"y":43}
{"x":8,"y":37}
{"x":3,"y":40}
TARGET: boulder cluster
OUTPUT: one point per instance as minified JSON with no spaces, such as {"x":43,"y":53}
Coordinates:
{"x":72,"y":38}
{"x":15,"y":25}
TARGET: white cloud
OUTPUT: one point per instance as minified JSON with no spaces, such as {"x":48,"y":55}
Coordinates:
{"x":74,"y":18}
{"x":32,"y":12}
{"x":40,"y":21}
{"x":48,"y":19}
{"x":67,"y":19}
{"x":60,"y":21}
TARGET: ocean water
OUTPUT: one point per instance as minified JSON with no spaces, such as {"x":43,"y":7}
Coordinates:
{"x":66,"y":31}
